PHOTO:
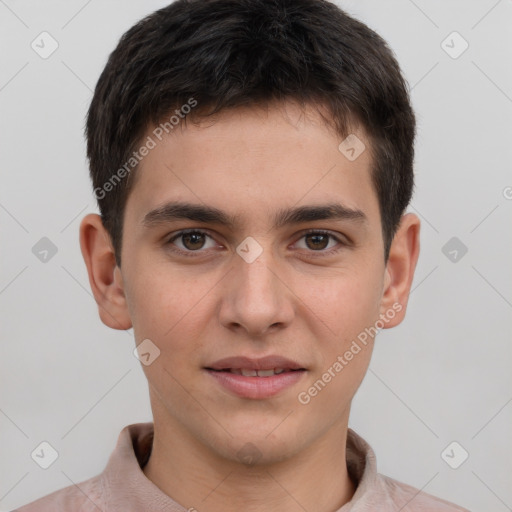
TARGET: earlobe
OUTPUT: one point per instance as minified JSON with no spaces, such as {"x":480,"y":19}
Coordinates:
{"x":104,"y":276}
{"x":403,"y":256}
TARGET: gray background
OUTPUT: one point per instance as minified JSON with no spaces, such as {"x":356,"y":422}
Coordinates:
{"x":442,"y":376}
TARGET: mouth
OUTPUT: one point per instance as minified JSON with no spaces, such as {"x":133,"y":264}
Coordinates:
{"x":256,"y":378}
{"x":247,"y":372}
{"x":272,"y":363}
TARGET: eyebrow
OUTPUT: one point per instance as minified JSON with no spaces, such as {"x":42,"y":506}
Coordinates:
{"x":172,"y":211}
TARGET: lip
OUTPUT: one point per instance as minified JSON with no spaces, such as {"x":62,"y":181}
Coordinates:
{"x":262,"y":363}
{"x":256,"y":387}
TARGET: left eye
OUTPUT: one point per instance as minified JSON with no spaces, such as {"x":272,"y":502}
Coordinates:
{"x":318,"y":240}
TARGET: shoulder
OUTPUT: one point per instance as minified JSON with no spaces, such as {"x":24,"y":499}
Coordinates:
{"x":86,"y":496}
{"x":415,"y":500}
{"x":379,"y":492}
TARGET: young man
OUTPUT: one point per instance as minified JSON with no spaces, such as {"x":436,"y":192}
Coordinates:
{"x":252,"y":160}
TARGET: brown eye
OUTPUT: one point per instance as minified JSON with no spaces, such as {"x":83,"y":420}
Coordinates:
{"x":193,"y":241}
{"x":320,"y":241}
{"x":317,"y":241}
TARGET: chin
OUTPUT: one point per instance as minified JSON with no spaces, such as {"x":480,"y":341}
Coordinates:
{"x":255,"y":447}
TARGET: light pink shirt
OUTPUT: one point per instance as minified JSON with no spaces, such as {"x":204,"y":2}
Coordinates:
{"x":123,"y":487}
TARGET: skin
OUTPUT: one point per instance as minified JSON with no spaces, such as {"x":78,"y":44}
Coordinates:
{"x":251,"y":162}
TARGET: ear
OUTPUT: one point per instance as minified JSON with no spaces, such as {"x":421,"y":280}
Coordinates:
{"x":403,"y":256}
{"x":104,"y":276}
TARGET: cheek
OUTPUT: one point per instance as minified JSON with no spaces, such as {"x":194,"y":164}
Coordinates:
{"x":344,"y":303}
{"x":171,"y":310}
{"x":346,"y":306}
{"x":158,"y":299}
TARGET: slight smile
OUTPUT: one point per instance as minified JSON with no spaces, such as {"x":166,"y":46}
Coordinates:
{"x":256,"y":378}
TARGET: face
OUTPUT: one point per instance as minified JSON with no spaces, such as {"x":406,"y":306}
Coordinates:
{"x":229,"y":294}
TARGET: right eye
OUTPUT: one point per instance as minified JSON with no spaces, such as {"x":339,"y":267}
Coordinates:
{"x":191,"y":240}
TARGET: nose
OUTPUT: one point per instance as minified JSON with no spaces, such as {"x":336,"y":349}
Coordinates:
{"x":256,"y":297}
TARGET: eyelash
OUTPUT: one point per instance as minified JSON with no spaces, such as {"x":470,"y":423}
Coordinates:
{"x":195,"y":254}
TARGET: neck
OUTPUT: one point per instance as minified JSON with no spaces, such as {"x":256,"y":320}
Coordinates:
{"x":198,"y":479}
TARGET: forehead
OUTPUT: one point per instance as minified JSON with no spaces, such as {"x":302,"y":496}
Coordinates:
{"x":253,"y":158}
